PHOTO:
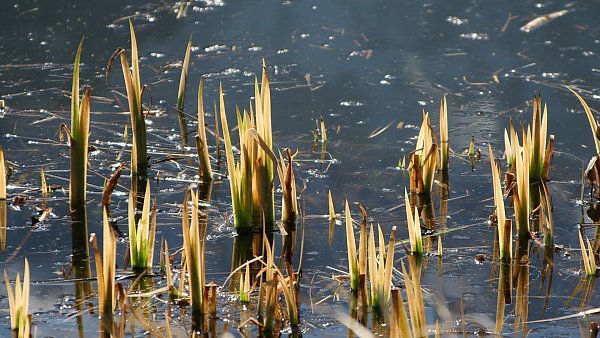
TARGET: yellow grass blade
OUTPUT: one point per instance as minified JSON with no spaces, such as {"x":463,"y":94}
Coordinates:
{"x":591,"y":119}
{"x":351,"y":246}
{"x":414,"y":226}
{"x":2,"y":175}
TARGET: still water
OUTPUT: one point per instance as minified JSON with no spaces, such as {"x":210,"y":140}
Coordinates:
{"x":369,"y":69}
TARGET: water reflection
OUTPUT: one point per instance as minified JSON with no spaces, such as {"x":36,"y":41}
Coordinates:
{"x":81,"y":265}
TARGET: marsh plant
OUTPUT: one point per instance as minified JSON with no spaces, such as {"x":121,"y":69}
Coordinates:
{"x":423,"y":160}
{"x":204,"y":168}
{"x":251,"y":178}
{"x":194,"y":241}
{"x":444,"y":139}
{"x":414,"y":226}
{"x":504,"y":225}
{"x":18,"y":302}
{"x":142,"y":232}
{"x":78,"y":138}
{"x":353,"y":269}
{"x":399,"y":323}
{"x":380,"y":272}
{"x":181,"y":93}
{"x":131,"y":76}
{"x":587,"y":256}
{"x":2,"y":176}
{"x":105,"y":268}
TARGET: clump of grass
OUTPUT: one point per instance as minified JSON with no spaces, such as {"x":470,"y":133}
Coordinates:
{"x":587,"y":255}
{"x":18,"y":301}
{"x":423,"y":160}
{"x":142,"y":234}
{"x":194,"y":249}
{"x":504,"y":225}
{"x":444,"y":145}
{"x":78,"y":138}
{"x":204,"y":168}
{"x":380,"y":272}
{"x":181,"y":93}
{"x":105,"y":267}
{"x":2,"y":176}
{"x":414,"y":226}
{"x":251,"y":179}
{"x":139,"y":153}
{"x":353,"y":270}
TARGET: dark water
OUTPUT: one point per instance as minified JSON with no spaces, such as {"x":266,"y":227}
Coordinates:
{"x":360,"y":65}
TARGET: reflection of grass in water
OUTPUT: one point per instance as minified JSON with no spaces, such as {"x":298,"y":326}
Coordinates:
{"x":2,"y":175}
{"x":18,"y":300}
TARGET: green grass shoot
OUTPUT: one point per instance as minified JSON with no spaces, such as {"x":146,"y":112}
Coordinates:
{"x":444,"y":145}
{"x":142,"y":234}
{"x":204,"y":168}
{"x":18,"y":302}
{"x":539,"y":146}
{"x":414,"y":226}
{"x":105,"y":268}
{"x":139,"y":153}
{"x":194,"y":248}
{"x":78,"y":138}
{"x":587,"y":255}
{"x":351,"y":246}
{"x":521,"y":198}
{"x":504,"y":238}
{"x":240,"y":175}
{"x":2,"y":175}
{"x":181,"y":92}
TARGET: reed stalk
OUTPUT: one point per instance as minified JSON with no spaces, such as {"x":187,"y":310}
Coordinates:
{"x":444,"y":145}
{"x":181,"y":93}
{"x":204,"y":168}
{"x":194,"y":248}
{"x":139,"y":153}
{"x":105,"y":268}
{"x":289,"y":196}
{"x":2,"y":176}
{"x":504,"y":231}
{"x":78,"y":136}
{"x":399,"y":326}
{"x":414,"y":226}
{"x":18,"y":302}
{"x":323,"y":131}
{"x":351,"y":248}
{"x":141,"y":235}
{"x":587,"y":255}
